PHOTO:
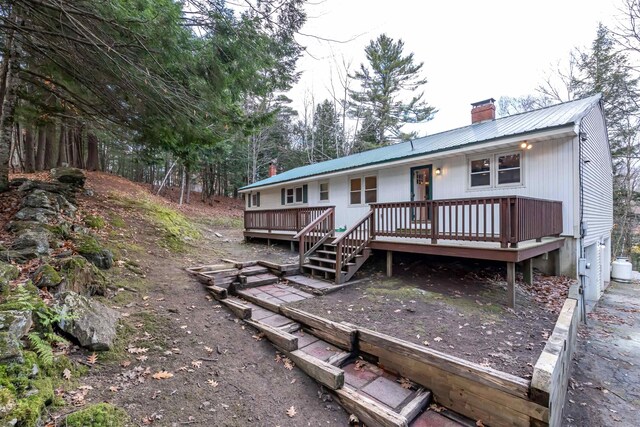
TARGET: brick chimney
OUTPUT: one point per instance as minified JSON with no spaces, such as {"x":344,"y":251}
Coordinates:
{"x":483,"y":111}
{"x":272,"y":168}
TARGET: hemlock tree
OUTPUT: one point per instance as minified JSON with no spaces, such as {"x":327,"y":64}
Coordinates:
{"x":384,"y":82}
{"x":606,"y":69}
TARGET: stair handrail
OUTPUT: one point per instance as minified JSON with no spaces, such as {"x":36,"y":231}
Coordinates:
{"x":342,"y":257}
{"x":305,"y":232}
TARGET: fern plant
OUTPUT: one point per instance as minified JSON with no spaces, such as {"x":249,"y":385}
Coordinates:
{"x":42,"y":348}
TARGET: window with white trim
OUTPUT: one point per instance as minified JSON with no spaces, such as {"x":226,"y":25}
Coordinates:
{"x":363,"y":190}
{"x":324,"y":191}
{"x":294,"y":195}
{"x":495,"y":170}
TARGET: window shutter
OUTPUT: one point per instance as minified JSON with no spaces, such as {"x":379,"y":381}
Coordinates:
{"x":249,"y":200}
{"x":282,"y":196}
{"x":304,"y":193}
{"x":258,"y":199}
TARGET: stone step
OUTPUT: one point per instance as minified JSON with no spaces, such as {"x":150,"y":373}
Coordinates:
{"x":272,"y":296}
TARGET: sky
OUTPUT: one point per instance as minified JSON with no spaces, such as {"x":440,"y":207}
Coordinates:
{"x":472,"y":50}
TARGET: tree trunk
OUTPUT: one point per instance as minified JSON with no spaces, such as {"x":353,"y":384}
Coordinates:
{"x":8,"y":86}
{"x":42,"y":143}
{"x":92,"y":152}
{"x":49,"y":149}
{"x":29,"y":154}
{"x":63,"y":160}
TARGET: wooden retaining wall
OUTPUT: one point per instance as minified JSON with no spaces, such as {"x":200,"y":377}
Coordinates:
{"x":553,"y":368}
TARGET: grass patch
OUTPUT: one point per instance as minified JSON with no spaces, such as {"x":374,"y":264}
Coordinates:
{"x":176,"y":229}
{"x":117,"y":221}
{"x":129,"y":329}
{"x":222,"y":222}
{"x":99,"y":415}
{"x":95,"y":222}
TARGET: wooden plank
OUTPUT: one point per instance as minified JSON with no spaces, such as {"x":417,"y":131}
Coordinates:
{"x":416,"y":405}
{"x":279,"y":338}
{"x":373,"y":342}
{"x":239,"y":264}
{"x":511,"y":284}
{"x":339,"y":358}
{"x":212,"y":267}
{"x":217,"y":292}
{"x":238,"y":308}
{"x":340,"y":335}
{"x":323,"y":372}
{"x":389,"y":263}
{"x":367,"y":410}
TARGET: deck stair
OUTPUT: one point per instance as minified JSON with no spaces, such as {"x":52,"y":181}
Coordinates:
{"x":335,"y":259}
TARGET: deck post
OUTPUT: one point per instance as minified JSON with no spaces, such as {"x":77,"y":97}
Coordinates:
{"x":511,"y":284}
{"x":527,"y":271}
{"x":389,"y":263}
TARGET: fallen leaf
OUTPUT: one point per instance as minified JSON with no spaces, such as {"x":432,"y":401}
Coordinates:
{"x":125,"y":363}
{"x":437,"y":339}
{"x":479,"y":423}
{"x":114,"y":388}
{"x":196,"y":363}
{"x":288,"y":363}
{"x":142,"y":358}
{"x":91,"y":360}
{"x":291,"y":412}
{"x":213,"y":383}
{"x":66,"y":374}
{"x":258,"y":337}
{"x":405,"y":383}
{"x":137,"y":350}
{"x":426,"y":343}
{"x":208,"y":350}
{"x":162,"y":375}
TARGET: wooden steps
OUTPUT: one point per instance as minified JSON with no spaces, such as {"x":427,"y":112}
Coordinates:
{"x":257,"y":280}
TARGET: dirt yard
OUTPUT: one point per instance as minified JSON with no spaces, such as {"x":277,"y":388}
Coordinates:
{"x":218,"y":373}
{"x":450,"y":305}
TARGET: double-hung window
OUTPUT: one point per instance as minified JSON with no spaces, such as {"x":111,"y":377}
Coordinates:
{"x":324,"y":191}
{"x":293,"y":195}
{"x":363,"y":190}
{"x":495,"y":170}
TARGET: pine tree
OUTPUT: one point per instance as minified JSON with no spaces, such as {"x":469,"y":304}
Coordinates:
{"x":388,"y":77}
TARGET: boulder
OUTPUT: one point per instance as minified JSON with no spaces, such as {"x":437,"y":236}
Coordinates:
{"x":91,"y":323}
{"x":46,"y":277}
{"x":7,"y":272}
{"x":10,"y":349}
{"x":73,"y":176}
{"x":29,"y":244}
{"x":41,"y":199}
{"x":89,"y":247}
{"x":16,"y":322}
{"x":40,"y":215}
{"x":80,"y":276}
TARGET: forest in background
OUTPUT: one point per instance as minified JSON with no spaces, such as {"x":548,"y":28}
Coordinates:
{"x":193,"y":94}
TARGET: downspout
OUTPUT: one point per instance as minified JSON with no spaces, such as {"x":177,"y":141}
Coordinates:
{"x":582,"y":262}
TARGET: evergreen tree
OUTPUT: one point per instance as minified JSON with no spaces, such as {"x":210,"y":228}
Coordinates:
{"x":389,"y":76}
{"x":327,"y":133}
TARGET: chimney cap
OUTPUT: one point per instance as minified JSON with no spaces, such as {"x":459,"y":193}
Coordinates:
{"x":483,"y":102}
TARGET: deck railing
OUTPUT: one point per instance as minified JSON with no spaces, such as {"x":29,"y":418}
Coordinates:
{"x":353,"y":241}
{"x":315,"y":234}
{"x":508,"y":220}
{"x":291,"y":219}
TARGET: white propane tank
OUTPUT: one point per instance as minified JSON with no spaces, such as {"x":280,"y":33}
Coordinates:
{"x":621,"y":269}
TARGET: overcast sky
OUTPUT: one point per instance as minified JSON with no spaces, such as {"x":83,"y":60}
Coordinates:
{"x":472,"y":50}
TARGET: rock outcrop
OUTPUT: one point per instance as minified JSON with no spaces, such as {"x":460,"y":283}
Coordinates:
{"x":71,"y":176}
{"x":14,"y":324}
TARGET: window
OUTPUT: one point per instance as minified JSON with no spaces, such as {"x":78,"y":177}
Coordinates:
{"x":255,"y":199}
{"x":481,"y":172}
{"x":363,"y":189}
{"x":509,"y":169}
{"x":293,"y":195}
{"x":371,"y":189}
{"x":356,"y":191}
{"x":324,"y":191}
{"x":495,"y":170}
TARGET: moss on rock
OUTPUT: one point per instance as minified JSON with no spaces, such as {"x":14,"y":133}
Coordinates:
{"x":46,"y":277}
{"x":99,"y":415}
{"x":89,"y":247}
{"x":81,"y":276}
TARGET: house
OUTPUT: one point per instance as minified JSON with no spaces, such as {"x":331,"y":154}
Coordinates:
{"x":533,"y":189}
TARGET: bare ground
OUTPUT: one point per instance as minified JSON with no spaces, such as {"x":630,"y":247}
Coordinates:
{"x":221,"y":375}
{"x":451,"y":305}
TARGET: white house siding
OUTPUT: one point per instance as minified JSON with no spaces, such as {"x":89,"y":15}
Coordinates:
{"x":597,"y":179}
{"x":547,"y":170}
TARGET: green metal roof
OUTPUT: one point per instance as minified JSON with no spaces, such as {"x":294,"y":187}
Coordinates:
{"x":555,"y":116}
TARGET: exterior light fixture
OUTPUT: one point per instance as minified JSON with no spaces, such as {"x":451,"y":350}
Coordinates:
{"x":438,"y":171}
{"x":529,"y":146}
{"x":523,"y":145}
